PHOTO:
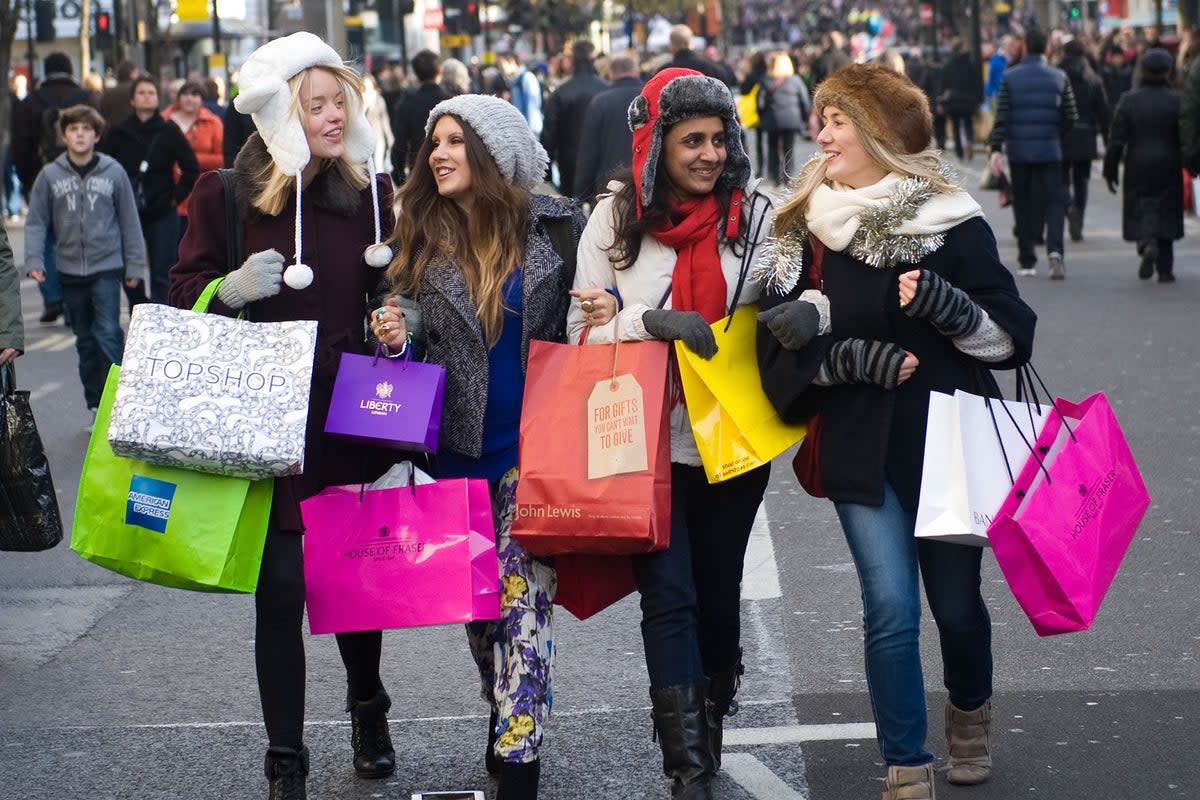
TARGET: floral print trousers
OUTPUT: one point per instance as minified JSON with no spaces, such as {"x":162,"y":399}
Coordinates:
{"x":515,"y":654}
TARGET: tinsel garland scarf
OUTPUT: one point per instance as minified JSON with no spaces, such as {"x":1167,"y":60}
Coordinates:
{"x":879,"y":238}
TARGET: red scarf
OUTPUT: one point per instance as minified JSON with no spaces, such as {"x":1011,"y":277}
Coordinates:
{"x":698,"y":283}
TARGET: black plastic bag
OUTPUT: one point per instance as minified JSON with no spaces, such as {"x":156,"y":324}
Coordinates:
{"x":29,"y":518}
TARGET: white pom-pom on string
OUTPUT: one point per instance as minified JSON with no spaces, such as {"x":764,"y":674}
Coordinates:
{"x":298,"y":276}
{"x":378,"y":255}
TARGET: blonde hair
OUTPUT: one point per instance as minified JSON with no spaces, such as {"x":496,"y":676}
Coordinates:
{"x":278,"y":188}
{"x":926,"y":164}
{"x":781,"y":65}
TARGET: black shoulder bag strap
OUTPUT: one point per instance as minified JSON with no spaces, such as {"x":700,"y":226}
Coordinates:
{"x":234,"y":232}
{"x":561,"y":231}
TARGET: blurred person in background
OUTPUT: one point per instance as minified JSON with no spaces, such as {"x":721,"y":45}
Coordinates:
{"x":204,"y":131}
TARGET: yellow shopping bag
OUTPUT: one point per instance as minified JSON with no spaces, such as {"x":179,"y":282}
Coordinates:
{"x":747,"y":105}
{"x":736,"y":427}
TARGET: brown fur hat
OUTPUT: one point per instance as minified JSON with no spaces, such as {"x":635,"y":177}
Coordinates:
{"x":882,"y":104}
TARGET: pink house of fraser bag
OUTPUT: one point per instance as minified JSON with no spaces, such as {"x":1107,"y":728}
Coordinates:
{"x":400,"y":558}
{"x":1061,"y":533}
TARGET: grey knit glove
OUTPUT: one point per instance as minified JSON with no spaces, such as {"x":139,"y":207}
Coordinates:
{"x":258,"y":278}
{"x":864,"y":361}
{"x":793,"y":323}
{"x":668,"y":324}
{"x":947,"y":308}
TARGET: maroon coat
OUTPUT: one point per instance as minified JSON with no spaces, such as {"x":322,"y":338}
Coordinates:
{"x":338,"y":227}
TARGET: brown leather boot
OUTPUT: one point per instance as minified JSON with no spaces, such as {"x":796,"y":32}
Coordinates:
{"x":969,"y":737}
{"x":909,"y":783}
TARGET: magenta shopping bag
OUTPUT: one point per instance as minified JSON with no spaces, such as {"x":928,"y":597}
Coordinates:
{"x":1061,"y":533}
{"x":400,"y":558}
{"x":389,"y":402}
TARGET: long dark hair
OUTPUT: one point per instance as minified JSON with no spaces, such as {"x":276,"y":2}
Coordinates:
{"x":486,"y":246}
{"x":629,"y":230}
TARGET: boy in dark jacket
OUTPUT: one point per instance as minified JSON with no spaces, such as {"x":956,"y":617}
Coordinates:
{"x":85,"y":198}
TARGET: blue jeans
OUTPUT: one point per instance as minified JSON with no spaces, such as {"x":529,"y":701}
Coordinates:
{"x":691,"y":592}
{"x":162,"y":251}
{"x":888,"y":558}
{"x":94,"y":306}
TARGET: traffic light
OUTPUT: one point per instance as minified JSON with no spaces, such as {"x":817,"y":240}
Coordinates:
{"x":102,"y":33}
{"x":43,"y":21}
{"x":470,"y":23}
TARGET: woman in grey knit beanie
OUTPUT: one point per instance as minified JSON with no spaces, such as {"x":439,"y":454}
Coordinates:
{"x":478,"y":272}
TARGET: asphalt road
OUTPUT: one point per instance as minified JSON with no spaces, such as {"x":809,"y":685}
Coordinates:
{"x":115,"y":689}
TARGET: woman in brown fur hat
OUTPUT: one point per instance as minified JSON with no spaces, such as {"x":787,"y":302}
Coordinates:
{"x":909,"y":297}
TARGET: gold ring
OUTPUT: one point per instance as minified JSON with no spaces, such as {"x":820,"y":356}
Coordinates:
{"x":383,"y":328}
{"x":588,"y":306}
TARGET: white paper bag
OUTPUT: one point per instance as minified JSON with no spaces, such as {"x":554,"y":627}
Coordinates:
{"x":967,"y":470}
{"x":214,"y":394}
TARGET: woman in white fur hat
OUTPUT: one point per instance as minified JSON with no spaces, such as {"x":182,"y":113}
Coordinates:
{"x":481,"y":258}
{"x":304,"y":171}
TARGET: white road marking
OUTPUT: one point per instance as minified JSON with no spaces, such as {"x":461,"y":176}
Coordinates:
{"x":46,"y":389}
{"x":760,"y":575}
{"x":54,"y":342}
{"x":794,"y":734}
{"x":753,"y":776}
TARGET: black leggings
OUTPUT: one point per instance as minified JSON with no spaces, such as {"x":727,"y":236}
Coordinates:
{"x":279,"y":643}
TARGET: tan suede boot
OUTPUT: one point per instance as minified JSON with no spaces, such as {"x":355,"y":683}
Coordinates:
{"x":969,"y":737}
{"x":909,"y":783}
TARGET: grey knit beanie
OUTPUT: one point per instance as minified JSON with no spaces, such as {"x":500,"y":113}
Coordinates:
{"x":520,"y":157}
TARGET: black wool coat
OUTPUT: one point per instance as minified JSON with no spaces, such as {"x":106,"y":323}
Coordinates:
{"x":1145,"y":134}
{"x":870,"y":434}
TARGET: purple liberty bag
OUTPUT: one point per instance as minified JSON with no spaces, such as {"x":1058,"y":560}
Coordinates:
{"x":388,"y":402}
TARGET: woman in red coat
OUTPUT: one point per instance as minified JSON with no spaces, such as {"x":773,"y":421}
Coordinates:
{"x":203,"y":130}
{"x":301,"y":185}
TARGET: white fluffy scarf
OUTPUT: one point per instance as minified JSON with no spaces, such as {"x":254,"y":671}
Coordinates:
{"x":833,"y":212}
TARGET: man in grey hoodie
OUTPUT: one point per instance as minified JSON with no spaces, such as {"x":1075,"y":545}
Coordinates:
{"x":86,"y":199}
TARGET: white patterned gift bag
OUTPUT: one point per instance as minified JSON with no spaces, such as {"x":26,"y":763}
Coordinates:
{"x":214,"y":394}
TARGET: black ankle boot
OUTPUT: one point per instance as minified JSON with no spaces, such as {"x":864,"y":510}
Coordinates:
{"x":519,"y":781}
{"x":374,"y":756}
{"x":286,"y":770}
{"x":489,"y":756}
{"x":681,"y":723}
{"x":722,"y":686}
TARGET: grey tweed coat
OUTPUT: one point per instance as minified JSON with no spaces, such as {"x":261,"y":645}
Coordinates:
{"x":454,"y":338}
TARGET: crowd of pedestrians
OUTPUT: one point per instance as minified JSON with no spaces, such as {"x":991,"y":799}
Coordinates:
{"x":658,"y":232}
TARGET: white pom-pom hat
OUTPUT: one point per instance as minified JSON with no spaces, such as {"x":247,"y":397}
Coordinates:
{"x":264,"y":94}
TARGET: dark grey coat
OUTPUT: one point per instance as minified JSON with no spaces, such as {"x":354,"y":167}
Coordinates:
{"x":783,"y":105}
{"x":1145,"y":134}
{"x":606,"y":141}
{"x":454,"y":337}
{"x":12,"y":329}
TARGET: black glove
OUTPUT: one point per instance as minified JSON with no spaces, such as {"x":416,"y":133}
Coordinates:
{"x":664,"y":323}
{"x":865,"y":361}
{"x":947,"y":308}
{"x":793,"y":323}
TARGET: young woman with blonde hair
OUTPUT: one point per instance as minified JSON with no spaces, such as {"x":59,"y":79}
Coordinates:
{"x":911,"y":298}
{"x":302,"y":173}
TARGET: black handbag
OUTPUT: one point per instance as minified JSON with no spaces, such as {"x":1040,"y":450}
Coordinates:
{"x":29,"y":518}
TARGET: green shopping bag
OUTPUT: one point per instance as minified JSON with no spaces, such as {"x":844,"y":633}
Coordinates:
{"x":165,"y":525}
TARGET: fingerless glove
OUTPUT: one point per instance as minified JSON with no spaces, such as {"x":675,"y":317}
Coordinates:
{"x":947,"y":308}
{"x":863,"y":361}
